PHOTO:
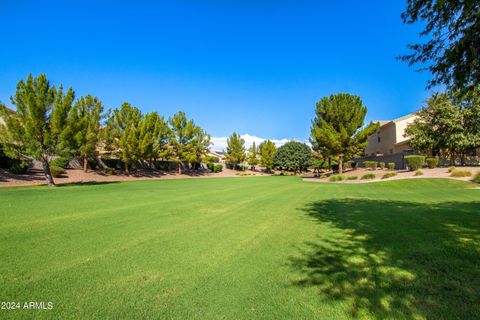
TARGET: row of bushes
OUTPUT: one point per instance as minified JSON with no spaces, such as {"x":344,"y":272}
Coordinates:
{"x":374,"y":164}
{"x":416,"y":162}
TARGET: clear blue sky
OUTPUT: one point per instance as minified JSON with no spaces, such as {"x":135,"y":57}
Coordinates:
{"x":240,"y":66}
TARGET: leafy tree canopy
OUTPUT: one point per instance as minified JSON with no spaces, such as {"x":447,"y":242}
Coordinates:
{"x":452,"y":32}
{"x":293,"y":155}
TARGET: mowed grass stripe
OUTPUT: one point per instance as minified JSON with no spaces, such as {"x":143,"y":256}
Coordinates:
{"x":241,"y":248}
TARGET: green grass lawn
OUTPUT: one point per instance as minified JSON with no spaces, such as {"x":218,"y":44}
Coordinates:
{"x":242,"y":248}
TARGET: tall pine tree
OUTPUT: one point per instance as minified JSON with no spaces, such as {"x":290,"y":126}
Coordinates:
{"x":267,"y":153}
{"x":83,"y":128}
{"x":235,"y":152}
{"x":35,"y":128}
{"x":337,"y":127}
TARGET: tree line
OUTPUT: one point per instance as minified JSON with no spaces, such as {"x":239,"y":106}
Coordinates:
{"x":48,"y":122}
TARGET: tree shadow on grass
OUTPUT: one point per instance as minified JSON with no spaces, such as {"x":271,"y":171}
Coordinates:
{"x":395,"y":259}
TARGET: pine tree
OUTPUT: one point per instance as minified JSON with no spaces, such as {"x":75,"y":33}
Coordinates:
{"x":337,"y":128}
{"x":154,"y":135}
{"x":83,"y":128}
{"x":267,"y":154}
{"x":235,"y":153}
{"x":124,"y":132}
{"x":188,"y":141}
{"x":252,"y":157}
{"x":35,"y":129}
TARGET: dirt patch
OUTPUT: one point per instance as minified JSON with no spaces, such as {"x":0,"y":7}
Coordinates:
{"x":400,"y":174}
{"x":36,"y":177}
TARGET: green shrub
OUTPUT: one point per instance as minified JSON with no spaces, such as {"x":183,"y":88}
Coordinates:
{"x":60,"y":162}
{"x":418,"y":173}
{"x":391,"y":165}
{"x":414,"y":162}
{"x":109,"y":171}
{"x":56,"y":171}
{"x":370,"y":164}
{"x":457,"y":173}
{"x":368,"y":176}
{"x":450,"y":169}
{"x":432,"y":162}
{"x":352,"y":177}
{"x":337,"y":177}
{"x":381,"y":165}
{"x":389,"y":175}
{"x":476,"y":177}
{"x":215,"y":167}
{"x":18,"y":166}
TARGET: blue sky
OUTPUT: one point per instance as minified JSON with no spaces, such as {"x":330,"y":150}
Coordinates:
{"x":254,"y":67}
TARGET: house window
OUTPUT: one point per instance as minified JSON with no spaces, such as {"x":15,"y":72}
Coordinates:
{"x":391,"y":151}
{"x":378,"y":139}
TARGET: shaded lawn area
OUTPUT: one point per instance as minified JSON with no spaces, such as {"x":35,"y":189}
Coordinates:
{"x":243,"y":248}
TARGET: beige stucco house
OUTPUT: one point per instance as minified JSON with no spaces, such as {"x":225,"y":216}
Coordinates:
{"x":390,"y":137}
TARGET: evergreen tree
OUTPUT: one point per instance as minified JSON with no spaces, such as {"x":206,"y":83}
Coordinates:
{"x":154,"y":135}
{"x":199,"y":147}
{"x":337,"y":127}
{"x":124,"y":134}
{"x":189,"y":143}
{"x":252,"y":157}
{"x":267,"y":153}
{"x":35,"y":129}
{"x":83,"y":128}
{"x":235,"y":153}
{"x":294,"y":156}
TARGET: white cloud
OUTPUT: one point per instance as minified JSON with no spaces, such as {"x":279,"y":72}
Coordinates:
{"x":220,"y":143}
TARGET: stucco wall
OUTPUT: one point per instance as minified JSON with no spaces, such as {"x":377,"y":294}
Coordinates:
{"x":387,"y":140}
{"x":401,"y":125}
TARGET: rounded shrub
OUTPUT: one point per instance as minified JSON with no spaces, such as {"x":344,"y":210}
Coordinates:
{"x":432,"y":162}
{"x":457,"y":173}
{"x":56,"y":171}
{"x":368,"y":176}
{"x":450,"y":169}
{"x":418,"y":173}
{"x":381,"y":165}
{"x":414,"y":162}
{"x":391,"y":165}
{"x":352,"y":177}
{"x":389,"y":175}
{"x":337,"y":177}
{"x":372,"y":165}
{"x":61,"y":162}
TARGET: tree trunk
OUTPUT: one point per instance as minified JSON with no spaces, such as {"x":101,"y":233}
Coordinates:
{"x":48,"y":174}
{"x":150,"y":163}
{"x":179,"y":168}
{"x":329,"y":164}
{"x":127,"y":172}
{"x":340,"y":164}
{"x":85,"y":164}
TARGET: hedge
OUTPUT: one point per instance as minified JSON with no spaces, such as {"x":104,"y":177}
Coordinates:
{"x":370,"y":164}
{"x":414,"y":162}
{"x":432,"y":162}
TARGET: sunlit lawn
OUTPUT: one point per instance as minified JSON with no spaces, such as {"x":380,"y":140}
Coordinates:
{"x":243,"y":248}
